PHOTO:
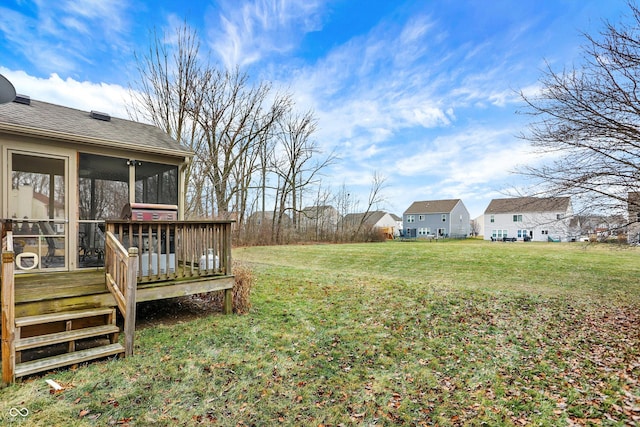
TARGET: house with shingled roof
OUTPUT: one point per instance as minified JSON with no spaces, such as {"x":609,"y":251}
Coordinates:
{"x":321,"y":220}
{"x":436,"y":219}
{"x":92,"y":222}
{"x":383,"y":221}
{"x":538,"y":219}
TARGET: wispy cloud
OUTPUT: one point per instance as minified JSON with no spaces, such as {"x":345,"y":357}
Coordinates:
{"x":62,"y":36}
{"x":402,"y":100}
{"x":426,"y":95}
{"x":242,"y":35}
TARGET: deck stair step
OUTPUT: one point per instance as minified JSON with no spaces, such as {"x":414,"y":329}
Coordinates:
{"x":67,"y":327}
{"x":61,"y":337}
{"x":61,"y":316}
{"x":54,"y":362}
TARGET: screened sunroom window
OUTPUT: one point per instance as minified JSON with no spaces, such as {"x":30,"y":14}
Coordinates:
{"x":156,"y":183}
{"x":104,"y":189}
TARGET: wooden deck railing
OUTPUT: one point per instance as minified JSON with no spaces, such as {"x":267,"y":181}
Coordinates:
{"x":174,"y":250}
{"x":121,"y":271}
{"x":8,"y":307}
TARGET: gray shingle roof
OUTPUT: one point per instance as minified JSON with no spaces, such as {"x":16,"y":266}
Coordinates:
{"x":58,"y":122}
{"x":528,"y":204}
{"x":432,"y":206}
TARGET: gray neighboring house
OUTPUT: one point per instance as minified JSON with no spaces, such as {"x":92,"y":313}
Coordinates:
{"x":319,"y":219}
{"x":436,"y":219}
{"x":265,"y":219}
{"x":538,"y":219}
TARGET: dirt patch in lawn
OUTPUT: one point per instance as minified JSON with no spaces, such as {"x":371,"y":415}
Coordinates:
{"x":175,"y":310}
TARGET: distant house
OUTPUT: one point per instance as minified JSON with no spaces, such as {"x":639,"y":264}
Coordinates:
{"x":633,"y":209}
{"x":477,"y":226}
{"x":320,"y":219}
{"x":380,"y":220}
{"x":436,"y":218}
{"x":398,"y":221}
{"x":530,"y":218}
{"x":266,"y":219}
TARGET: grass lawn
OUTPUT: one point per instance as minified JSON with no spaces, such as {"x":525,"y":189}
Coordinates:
{"x":395,"y":333}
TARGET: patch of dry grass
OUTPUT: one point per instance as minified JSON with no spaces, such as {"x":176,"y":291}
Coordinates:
{"x":245,"y":281}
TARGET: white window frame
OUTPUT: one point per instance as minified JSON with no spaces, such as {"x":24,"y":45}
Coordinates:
{"x":424,"y":231}
{"x":499,"y":234}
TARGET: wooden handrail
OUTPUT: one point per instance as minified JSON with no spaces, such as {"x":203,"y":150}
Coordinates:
{"x":174,"y":250}
{"x":8,"y":308}
{"x":121,"y":271}
{"x":162,"y":250}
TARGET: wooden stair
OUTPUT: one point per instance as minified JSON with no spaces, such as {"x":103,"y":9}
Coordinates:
{"x":45,"y":330}
{"x":48,"y":363}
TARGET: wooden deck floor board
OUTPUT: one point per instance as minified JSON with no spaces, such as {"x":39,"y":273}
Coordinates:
{"x":62,"y":291}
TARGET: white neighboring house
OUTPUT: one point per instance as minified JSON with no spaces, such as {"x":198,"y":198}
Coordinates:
{"x":477,"y":226}
{"x":529,"y":218}
{"x":398,"y":227}
{"x":383,"y":221}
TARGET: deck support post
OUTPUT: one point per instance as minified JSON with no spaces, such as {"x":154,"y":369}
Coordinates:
{"x":8,"y":318}
{"x":228,"y":301}
{"x":228,"y":293}
{"x":130,"y":302}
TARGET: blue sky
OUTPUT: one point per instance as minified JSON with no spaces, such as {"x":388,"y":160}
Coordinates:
{"x":423,"y":93}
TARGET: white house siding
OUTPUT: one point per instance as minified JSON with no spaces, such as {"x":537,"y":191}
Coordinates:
{"x":480,"y":225}
{"x":540,"y":226}
{"x":387,"y":221}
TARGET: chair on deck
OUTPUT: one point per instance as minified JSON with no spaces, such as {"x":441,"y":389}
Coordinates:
{"x":48,"y":232}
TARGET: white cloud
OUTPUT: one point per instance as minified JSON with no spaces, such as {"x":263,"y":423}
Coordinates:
{"x":87,"y":96}
{"x":243,"y":34}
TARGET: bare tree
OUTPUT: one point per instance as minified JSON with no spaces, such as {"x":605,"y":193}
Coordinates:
{"x":475,"y":227}
{"x":235,"y":116}
{"x":587,"y":121}
{"x":163,"y":95}
{"x":344,"y":205}
{"x":244,"y":135}
{"x":319,"y":221}
{"x":374,"y":200}
{"x":296,"y":164}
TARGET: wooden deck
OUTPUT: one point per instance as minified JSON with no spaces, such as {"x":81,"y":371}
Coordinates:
{"x":161,"y":260}
{"x":43,"y":293}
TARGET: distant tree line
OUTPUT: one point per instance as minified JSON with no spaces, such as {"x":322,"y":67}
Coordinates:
{"x":256,"y":160}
